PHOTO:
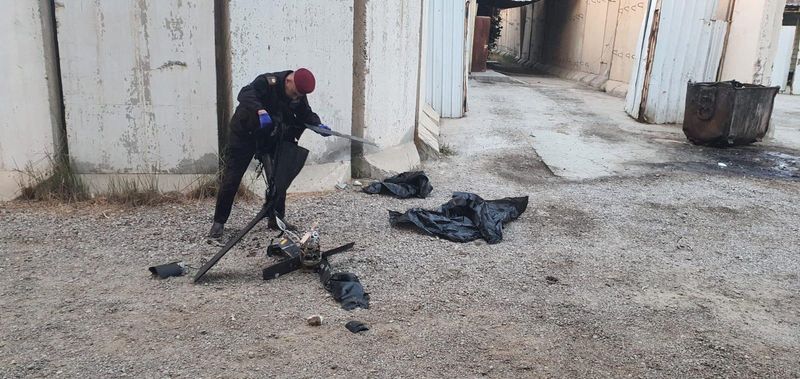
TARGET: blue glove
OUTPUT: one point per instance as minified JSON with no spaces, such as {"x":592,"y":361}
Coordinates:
{"x":326,"y":127}
{"x":265,"y":121}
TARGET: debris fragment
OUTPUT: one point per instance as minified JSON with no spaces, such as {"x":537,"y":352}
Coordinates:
{"x":304,"y":252}
{"x":315,"y":320}
{"x":357,"y":183}
{"x":344,"y":287}
{"x":551,"y":279}
{"x":341,"y":185}
{"x":356,"y":326}
{"x":723,"y":165}
{"x":403,"y":186}
{"x":466,"y":217}
{"x":167,"y":270}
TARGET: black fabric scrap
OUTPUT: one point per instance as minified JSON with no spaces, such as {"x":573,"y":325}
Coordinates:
{"x":356,"y":326}
{"x":466,"y":217}
{"x":403,"y":186}
{"x":166,"y":270}
{"x":344,"y":287}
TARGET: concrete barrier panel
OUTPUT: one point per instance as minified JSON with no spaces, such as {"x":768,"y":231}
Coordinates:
{"x":268,"y":36}
{"x":26,"y":125}
{"x":139,"y":85}
{"x":390,"y":80}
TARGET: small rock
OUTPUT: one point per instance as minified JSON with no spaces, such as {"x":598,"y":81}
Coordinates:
{"x":551,"y":279}
{"x":315,"y":320}
{"x":357,"y":183}
{"x":723,"y":165}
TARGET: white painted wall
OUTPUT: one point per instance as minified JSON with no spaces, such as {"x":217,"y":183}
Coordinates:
{"x":139,"y":85}
{"x":268,"y":36}
{"x":26,"y":129}
{"x":753,"y":41}
{"x":393,"y":52}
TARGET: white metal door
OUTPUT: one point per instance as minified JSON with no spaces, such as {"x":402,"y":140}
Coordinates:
{"x":783,"y":58}
{"x":680,"y":42}
{"x":444,"y":63}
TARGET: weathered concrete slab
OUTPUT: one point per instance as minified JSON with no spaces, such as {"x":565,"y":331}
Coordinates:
{"x":139,"y":85}
{"x":322,"y":42}
{"x":391,"y":161}
{"x":28,"y":129}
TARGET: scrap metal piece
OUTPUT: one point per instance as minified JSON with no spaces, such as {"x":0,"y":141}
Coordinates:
{"x":265,"y":210}
{"x":340,"y":249}
{"x":292,"y":261}
{"x":170,"y":269}
{"x":282,"y":268}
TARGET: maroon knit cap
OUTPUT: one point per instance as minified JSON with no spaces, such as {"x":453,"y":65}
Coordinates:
{"x":304,"y":81}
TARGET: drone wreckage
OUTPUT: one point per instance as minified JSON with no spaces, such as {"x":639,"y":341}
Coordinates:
{"x":296,"y":252}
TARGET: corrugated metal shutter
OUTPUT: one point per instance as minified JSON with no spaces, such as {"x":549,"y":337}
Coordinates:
{"x":688,"y":47}
{"x":445,"y":60}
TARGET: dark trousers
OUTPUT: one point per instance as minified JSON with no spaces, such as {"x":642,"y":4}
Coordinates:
{"x":239,"y":152}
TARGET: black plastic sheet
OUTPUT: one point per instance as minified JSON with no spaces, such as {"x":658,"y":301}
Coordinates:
{"x":403,"y":186}
{"x":466,"y":217}
{"x":344,"y":287}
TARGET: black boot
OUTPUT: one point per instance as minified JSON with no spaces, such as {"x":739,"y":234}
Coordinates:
{"x":216,"y":230}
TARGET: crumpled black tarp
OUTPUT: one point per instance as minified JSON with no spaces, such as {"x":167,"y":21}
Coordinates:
{"x":405,"y":185}
{"x":344,"y":287}
{"x":465,"y":217}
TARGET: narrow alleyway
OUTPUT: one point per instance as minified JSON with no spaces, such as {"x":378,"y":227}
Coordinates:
{"x":660,"y":264}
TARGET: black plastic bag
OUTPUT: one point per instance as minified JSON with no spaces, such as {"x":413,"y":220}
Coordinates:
{"x":344,"y":287}
{"x":403,"y":186}
{"x":466,"y":217}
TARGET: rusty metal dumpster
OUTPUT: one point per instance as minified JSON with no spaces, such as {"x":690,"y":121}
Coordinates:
{"x":727,"y":113}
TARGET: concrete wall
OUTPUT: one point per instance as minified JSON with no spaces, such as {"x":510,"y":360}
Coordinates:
{"x":27,"y":129}
{"x":753,"y":41}
{"x":389,"y":82}
{"x":630,"y":17}
{"x":263,"y":40}
{"x":140,"y":82}
{"x":509,"y":42}
{"x":393,"y":49}
{"x":139,"y":85}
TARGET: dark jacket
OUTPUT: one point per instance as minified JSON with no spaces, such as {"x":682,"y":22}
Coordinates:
{"x":267,"y":92}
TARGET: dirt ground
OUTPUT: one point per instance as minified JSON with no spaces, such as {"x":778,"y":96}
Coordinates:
{"x":682,"y":272}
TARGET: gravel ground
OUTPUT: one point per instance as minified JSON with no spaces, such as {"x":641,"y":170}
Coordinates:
{"x":680,"y":273}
